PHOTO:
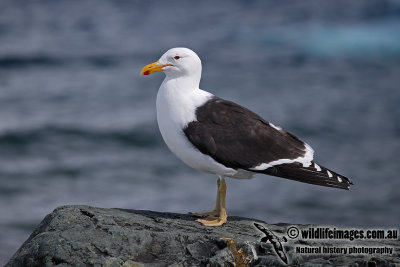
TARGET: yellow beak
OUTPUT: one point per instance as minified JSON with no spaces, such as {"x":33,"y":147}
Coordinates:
{"x":153,"y":67}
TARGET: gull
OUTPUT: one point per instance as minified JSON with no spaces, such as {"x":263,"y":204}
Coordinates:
{"x":217,"y":136}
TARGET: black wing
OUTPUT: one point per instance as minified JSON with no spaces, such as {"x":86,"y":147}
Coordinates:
{"x":313,"y":174}
{"x":240,"y":139}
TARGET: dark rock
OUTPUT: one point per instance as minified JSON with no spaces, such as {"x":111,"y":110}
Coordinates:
{"x":88,"y":236}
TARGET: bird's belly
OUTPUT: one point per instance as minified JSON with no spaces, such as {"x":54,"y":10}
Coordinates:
{"x":185,"y":151}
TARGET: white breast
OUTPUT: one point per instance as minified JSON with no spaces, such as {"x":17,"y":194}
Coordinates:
{"x":175,"y":109}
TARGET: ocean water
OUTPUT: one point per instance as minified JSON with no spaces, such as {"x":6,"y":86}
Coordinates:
{"x":78,"y":123}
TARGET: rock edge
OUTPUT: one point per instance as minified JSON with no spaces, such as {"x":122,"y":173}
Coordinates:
{"x":89,"y":236}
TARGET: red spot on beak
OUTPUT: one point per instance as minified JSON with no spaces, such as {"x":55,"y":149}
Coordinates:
{"x":147,"y":72}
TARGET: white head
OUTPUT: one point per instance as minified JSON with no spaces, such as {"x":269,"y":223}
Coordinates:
{"x":177,"y":62}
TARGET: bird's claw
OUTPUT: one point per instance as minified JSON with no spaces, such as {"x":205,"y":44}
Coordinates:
{"x":211,"y":214}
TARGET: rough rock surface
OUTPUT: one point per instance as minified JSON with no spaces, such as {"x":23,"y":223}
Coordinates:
{"x":89,"y":236}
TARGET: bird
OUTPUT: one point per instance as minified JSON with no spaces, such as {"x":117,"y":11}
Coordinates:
{"x":217,"y":136}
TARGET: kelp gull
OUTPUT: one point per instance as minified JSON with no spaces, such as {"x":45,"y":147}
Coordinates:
{"x":217,"y":136}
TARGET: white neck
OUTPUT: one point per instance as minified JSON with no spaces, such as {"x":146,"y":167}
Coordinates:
{"x":182,"y":83}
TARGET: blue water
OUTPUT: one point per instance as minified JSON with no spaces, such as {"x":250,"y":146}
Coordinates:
{"x":78,"y":124}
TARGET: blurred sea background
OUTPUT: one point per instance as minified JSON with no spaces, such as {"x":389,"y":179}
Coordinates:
{"x":78,"y":122}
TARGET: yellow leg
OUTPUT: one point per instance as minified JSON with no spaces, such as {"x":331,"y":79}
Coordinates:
{"x":221,"y":218}
{"x":216,"y":211}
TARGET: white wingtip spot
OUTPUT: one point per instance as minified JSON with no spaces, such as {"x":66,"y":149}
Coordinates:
{"x":329,"y":174}
{"x":316,"y":166}
{"x":339,"y":179}
{"x":275,"y":127}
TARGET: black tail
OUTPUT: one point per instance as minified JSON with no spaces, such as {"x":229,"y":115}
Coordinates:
{"x":314,"y":174}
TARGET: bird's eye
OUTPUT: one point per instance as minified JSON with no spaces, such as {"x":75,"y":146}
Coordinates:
{"x":177,"y":57}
